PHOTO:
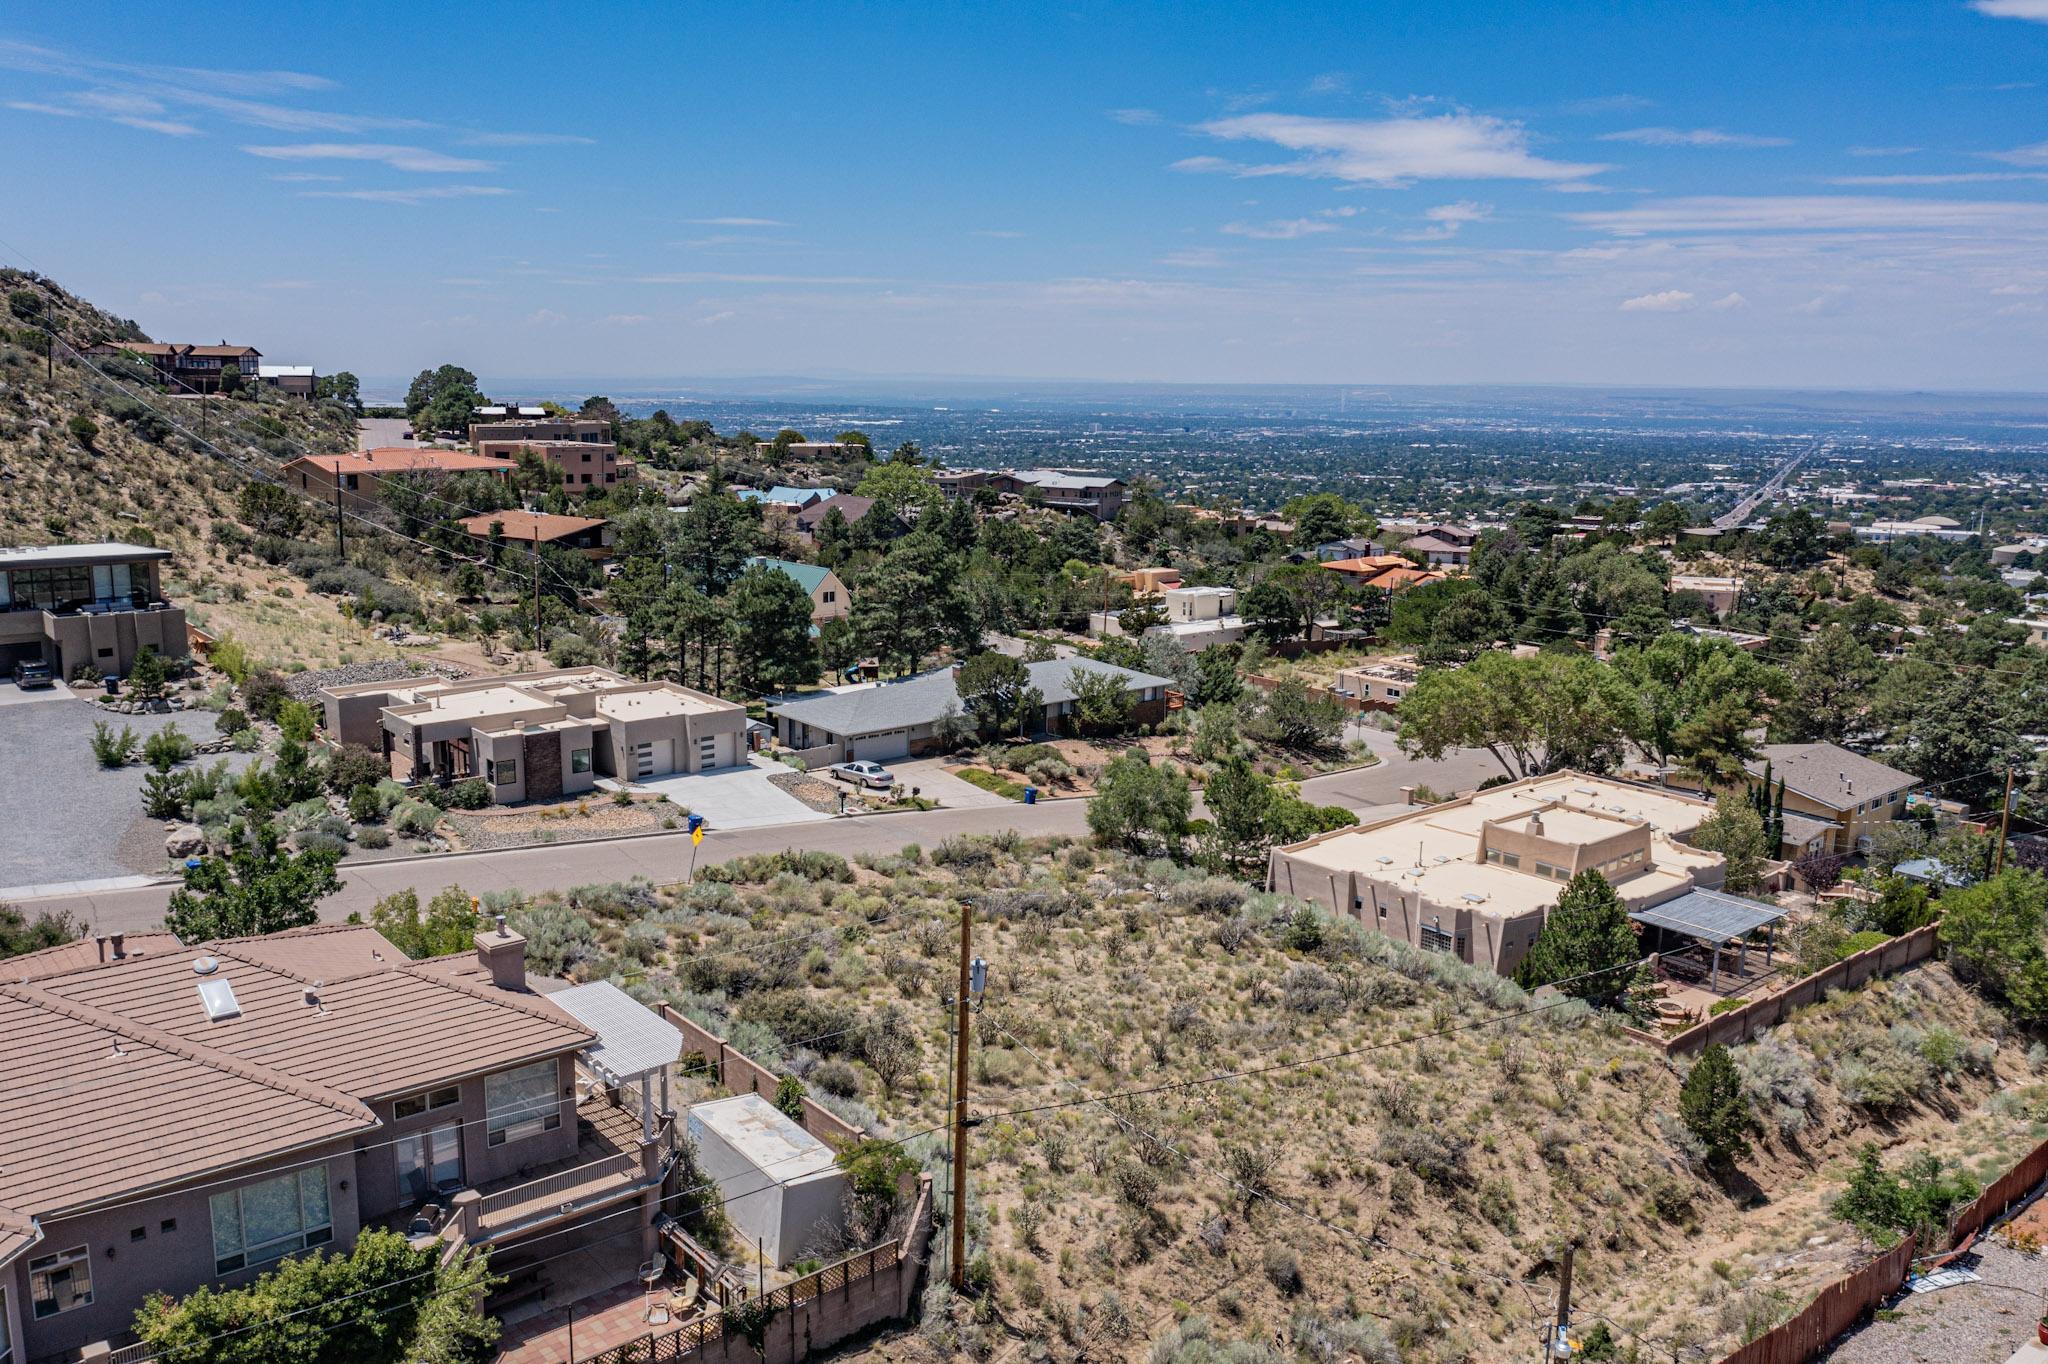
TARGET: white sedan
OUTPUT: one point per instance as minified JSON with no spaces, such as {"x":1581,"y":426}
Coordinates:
{"x":863,"y":773}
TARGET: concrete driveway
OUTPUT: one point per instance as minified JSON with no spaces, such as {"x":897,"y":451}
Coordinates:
{"x":930,"y":777}
{"x":11,"y":695}
{"x":733,"y":797}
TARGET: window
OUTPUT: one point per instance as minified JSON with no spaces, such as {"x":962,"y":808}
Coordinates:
{"x":268,"y":1220}
{"x":504,"y":771}
{"x":521,"y":1103}
{"x":167,"y":1226}
{"x":412,"y":1105}
{"x":1435,"y":939}
{"x":138,"y":1233}
{"x":579,"y":760}
{"x":1545,"y":869}
{"x":830,"y":595}
{"x":60,"y":1282}
{"x":1393,"y":693}
{"x":430,"y":1161}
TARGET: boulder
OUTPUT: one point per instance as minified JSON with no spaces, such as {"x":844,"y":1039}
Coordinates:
{"x":184,"y":841}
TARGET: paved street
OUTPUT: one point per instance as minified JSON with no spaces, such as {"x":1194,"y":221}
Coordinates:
{"x":375,"y":432}
{"x":668,"y":857}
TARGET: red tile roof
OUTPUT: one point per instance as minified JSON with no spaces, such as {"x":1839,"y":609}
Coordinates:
{"x":401,"y":459}
{"x":526,"y":525}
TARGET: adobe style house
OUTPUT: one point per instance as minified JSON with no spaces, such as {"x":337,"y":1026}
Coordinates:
{"x":540,"y":735}
{"x":829,"y":599}
{"x":1380,"y":684}
{"x":73,"y":605}
{"x":357,"y":478}
{"x":1196,"y":617}
{"x":184,"y":368}
{"x":1476,"y":877}
{"x":590,"y":536}
{"x":1082,"y":494}
{"x":581,"y":466}
{"x":1719,"y":594}
{"x":178,"y":1118}
{"x":525,"y":427}
{"x":297,"y":381}
{"x":880,"y":721}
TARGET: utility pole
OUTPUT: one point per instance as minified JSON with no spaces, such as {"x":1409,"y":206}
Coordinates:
{"x":2004,"y":825}
{"x":957,"y":1266}
{"x":1562,"y":1325}
{"x":340,"y":533}
{"x":50,"y":344}
{"x":533,"y":553}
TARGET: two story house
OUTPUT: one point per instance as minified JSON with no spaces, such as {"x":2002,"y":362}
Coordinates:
{"x":829,"y":599}
{"x":178,"y":1117}
{"x":74,"y":605}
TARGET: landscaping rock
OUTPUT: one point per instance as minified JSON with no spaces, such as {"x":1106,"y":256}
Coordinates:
{"x":184,"y":841}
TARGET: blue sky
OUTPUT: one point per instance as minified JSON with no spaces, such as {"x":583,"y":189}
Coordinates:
{"x":1790,"y":193}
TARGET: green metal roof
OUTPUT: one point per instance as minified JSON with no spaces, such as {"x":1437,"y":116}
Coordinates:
{"x":808,"y":576}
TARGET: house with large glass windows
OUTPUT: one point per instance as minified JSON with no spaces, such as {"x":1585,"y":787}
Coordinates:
{"x":73,"y":605}
{"x":185,"y":1116}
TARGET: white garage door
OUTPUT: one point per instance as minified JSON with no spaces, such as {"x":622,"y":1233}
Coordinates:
{"x":654,"y":759}
{"x":880,"y":748}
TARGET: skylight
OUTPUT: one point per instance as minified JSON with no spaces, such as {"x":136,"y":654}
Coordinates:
{"x":218,"y":998}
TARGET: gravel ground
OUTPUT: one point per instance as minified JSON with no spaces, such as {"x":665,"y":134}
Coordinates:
{"x":303,"y":685}
{"x":604,"y":820}
{"x":1972,"y":1324}
{"x":819,"y":795}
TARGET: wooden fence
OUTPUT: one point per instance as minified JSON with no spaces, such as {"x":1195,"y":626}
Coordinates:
{"x":805,"y":1315}
{"x":1741,"y":1024}
{"x":1842,"y":1303}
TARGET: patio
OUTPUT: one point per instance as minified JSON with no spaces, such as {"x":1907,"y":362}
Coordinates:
{"x":1711,"y":947}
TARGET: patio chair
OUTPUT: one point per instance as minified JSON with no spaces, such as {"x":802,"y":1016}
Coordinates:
{"x":649,"y":1275}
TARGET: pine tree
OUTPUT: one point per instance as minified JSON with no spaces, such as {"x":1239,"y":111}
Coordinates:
{"x":1586,"y":945}
{"x":1714,"y":1109}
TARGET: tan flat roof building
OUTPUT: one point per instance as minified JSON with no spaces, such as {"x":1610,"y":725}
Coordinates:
{"x":537,"y":736}
{"x":1477,"y":877}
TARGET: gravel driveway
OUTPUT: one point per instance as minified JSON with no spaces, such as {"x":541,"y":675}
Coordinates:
{"x":1980,"y":1323}
{"x":67,"y":816}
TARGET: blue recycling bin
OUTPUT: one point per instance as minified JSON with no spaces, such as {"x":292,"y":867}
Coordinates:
{"x":1031,"y":795}
{"x":696,"y":823}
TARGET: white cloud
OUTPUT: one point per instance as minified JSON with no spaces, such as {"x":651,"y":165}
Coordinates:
{"x":1280,"y":229}
{"x":1195,"y":258}
{"x":545,"y":317}
{"x":1883,"y":151}
{"x":1729,"y":302}
{"x":302,"y":177}
{"x":738,"y":222}
{"x":418,"y":195}
{"x":1667,"y":301}
{"x":526,"y":140}
{"x":2034,"y":154}
{"x":1330,"y":83}
{"x":398,"y":158}
{"x":1390,"y":152}
{"x":1446,"y":219}
{"x":627,"y":320}
{"x":115,"y":106}
{"x":1137,"y":118}
{"x":2037,"y":10}
{"x":1793,"y":213}
{"x":713,"y":319}
{"x":1958,"y":178}
{"x":1693,"y":137}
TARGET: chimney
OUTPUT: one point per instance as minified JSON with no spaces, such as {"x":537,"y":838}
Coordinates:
{"x":114,"y":948}
{"x":1536,"y":823}
{"x":99,"y":942}
{"x":503,"y":953}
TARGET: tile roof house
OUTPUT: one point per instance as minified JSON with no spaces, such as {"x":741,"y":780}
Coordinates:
{"x":590,"y":535}
{"x":879,"y":721}
{"x":185,"y":1117}
{"x":852,"y":506}
{"x":358,"y":476}
{"x":829,"y":598}
{"x":187,"y":368}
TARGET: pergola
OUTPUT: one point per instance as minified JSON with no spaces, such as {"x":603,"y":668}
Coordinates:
{"x":1715,"y":918}
{"x":633,"y":1042}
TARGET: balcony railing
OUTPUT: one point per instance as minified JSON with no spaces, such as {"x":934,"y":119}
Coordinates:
{"x":556,"y":1194}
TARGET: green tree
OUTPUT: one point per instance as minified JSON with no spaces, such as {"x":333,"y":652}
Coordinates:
{"x":341,"y":387}
{"x":1320,"y":518}
{"x":993,"y":687}
{"x":270,"y":509}
{"x":1917,"y":1200}
{"x":1960,"y":739}
{"x":1295,"y":718}
{"x":1693,"y":699}
{"x":1993,"y":931}
{"x":1665,"y":520}
{"x":838,"y":645}
{"x":430,"y":385}
{"x":449,"y":924}
{"x":1714,"y":1109}
{"x":772,"y":645}
{"x":383,"y":1302}
{"x":715,"y":536}
{"x":1140,"y":807}
{"x":258,"y":888}
{"x":1736,"y":831}
{"x":1535,"y":715}
{"x":912,"y":605}
{"x":1829,"y":686}
{"x":19,"y":933}
{"x":1103,"y":701}
{"x":904,"y":490}
{"x":1586,"y":944}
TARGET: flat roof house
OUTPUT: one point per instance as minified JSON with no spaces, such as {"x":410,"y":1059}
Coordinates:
{"x":582,"y":466}
{"x":73,"y":605}
{"x":829,"y":599}
{"x":1197,"y":617}
{"x":1720,"y":594}
{"x":880,"y":721}
{"x":299,"y":381}
{"x":500,"y":424}
{"x":1476,"y":877}
{"x":590,"y":536}
{"x":537,"y":736}
{"x":358,"y":477}
{"x":1382,"y":683}
{"x":178,"y":1118}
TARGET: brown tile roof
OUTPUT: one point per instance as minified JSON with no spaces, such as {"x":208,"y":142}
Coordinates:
{"x":1368,"y":564}
{"x":400,"y":459}
{"x":81,"y":1119}
{"x":526,"y":525}
{"x":852,"y":506}
{"x":55,"y":961}
{"x":99,"y":1105}
{"x":1394,"y":579}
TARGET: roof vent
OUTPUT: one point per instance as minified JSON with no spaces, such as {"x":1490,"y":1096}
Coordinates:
{"x":205,"y":966}
{"x":312,"y":994}
{"x":218,"y":997}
